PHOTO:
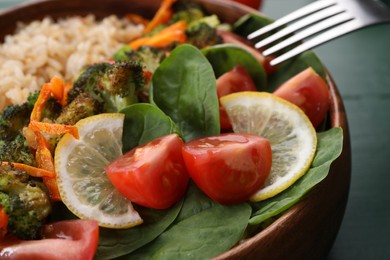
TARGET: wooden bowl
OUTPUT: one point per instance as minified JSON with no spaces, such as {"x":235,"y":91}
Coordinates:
{"x":305,"y":231}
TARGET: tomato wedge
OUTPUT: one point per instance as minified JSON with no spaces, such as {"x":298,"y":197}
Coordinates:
{"x":308,"y":91}
{"x":152,"y":175}
{"x":230,"y":167}
{"x":229,"y":37}
{"x":232,"y":81}
{"x":68,"y":239}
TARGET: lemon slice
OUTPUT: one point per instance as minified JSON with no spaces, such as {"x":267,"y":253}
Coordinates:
{"x":292,"y":137}
{"x":84,"y":187}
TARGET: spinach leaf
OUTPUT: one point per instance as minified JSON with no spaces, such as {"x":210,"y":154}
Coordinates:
{"x":118,"y":242}
{"x":328,"y":149}
{"x":143,"y":123}
{"x":184,"y":87}
{"x":203,"y":229}
{"x":292,"y":67}
{"x":224,"y":57}
{"x":250,"y":23}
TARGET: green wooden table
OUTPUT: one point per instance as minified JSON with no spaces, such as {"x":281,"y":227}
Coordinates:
{"x":360,"y":65}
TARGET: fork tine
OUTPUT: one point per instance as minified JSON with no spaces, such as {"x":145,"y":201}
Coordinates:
{"x":308,"y":9}
{"x":318,"y":16}
{"x":328,"y":23}
{"x":329,"y":35}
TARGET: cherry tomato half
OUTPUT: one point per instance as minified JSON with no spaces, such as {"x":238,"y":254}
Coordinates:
{"x":68,"y":239}
{"x":232,"y":81}
{"x":229,"y":37}
{"x":308,"y":91}
{"x":229,"y":168}
{"x":152,"y":175}
{"x":256,"y":4}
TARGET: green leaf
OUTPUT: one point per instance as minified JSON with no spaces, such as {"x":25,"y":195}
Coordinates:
{"x":328,"y":149}
{"x":204,"y":229}
{"x":143,"y":123}
{"x":224,"y":57}
{"x":184,"y":87}
{"x":292,"y":67}
{"x":118,"y":242}
{"x":250,"y":23}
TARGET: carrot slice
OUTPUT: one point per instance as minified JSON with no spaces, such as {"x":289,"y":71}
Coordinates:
{"x":162,"y":16}
{"x":68,"y":86}
{"x":137,"y":19}
{"x":52,"y":187}
{"x":55,"y":129}
{"x":169,"y":35}
{"x":31,"y":170}
{"x":39,"y":105}
{"x":45,"y":161}
{"x":57,"y":88}
{"x":3,"y":223}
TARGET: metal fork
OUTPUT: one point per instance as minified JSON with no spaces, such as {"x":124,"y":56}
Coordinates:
{"x":320,"y":21}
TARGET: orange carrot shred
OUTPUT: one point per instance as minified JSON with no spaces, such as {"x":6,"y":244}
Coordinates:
{"x":68,"y":86}
{"x":32,"y":171}
{"x":52,"y":186}
{"x":45,"y":161}
{"x":44,"y":95}
{"x":57,"y":88}
{"x":3,"y":223}
{"x":55,"y":129}
{"x":137,"y":19}
{"x":169,"y":35}
{"x":162,"y":16}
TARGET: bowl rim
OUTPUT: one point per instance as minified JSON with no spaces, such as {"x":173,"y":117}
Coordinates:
{"x":293,"y":218}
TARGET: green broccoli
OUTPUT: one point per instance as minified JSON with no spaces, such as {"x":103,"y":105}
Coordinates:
{"x":13,"y":119}
{"x":187,"y":11}
{"x":114,"y":85}
{"x":16,"y":151}
{"x":24,"y":201}
{"x":84,"y":105}
{"x":149,"y":57}
{"x":203,"y":32}
{"x":86,"y":81}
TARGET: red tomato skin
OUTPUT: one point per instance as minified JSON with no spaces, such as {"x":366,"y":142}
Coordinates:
{"x":232,"y":81}
{"x":68,"y":239}
{"x":230,"y":167}
{"x":308,"y":91}
{"x":152,"y":175}
{"x":256,"y":4}
{"x":229,"y":37}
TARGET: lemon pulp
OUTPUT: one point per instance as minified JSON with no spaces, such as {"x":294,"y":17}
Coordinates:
{"x":84,"y":187}
{"x":292,"y":137}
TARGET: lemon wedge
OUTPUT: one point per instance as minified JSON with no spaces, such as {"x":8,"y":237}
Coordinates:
{"x":84,"y":187}
{"x":292,"y":137}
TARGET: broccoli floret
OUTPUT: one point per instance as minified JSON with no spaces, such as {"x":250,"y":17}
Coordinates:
{"x":84,"y":105}
{"x":86,"y":81}
{"x":17,"y":151}
{"x":149,"y":57}
{"x":120,"y":85}
{"x":203,"y":33}
{"x":187,"y":11}
{"x":24,"y":201}
{"x":13,"y":119}
{"x":124,"y":53}
{"x":114,"y":85}
{"x":13,"y":147}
